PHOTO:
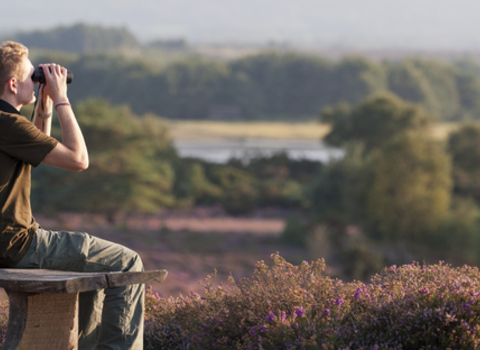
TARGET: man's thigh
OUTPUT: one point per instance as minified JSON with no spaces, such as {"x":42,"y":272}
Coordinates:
{"x":76,"y":251}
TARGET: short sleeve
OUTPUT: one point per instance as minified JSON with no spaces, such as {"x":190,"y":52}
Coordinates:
{"x":22,"y":140}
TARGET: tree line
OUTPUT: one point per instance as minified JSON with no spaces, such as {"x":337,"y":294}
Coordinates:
{"x":270,"y":86}
{"x":111,"y":63}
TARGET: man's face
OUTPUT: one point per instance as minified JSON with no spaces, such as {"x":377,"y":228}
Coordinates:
{"x":25,"y":84}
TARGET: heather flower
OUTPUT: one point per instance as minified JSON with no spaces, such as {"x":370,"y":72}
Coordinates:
{"x":283,"y":316}
{"x":358,"y":293}
{"x":299,"y":312}
{"x":270,"y":317}
{"x":339,"y":302}
{"x":425,"y":291}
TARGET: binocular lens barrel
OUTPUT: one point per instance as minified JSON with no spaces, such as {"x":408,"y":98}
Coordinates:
{"x":39,"y":77}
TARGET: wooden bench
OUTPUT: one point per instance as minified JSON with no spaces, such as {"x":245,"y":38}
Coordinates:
{"x":44,"y":304}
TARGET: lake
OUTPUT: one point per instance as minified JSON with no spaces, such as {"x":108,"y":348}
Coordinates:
{"x":221,"y":150}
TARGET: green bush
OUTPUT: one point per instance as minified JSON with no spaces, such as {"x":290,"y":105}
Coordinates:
{"x":295,"y":231}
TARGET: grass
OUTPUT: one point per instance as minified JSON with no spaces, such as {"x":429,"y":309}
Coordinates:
{"x":275,"y":130}
{"x":442,"y":130}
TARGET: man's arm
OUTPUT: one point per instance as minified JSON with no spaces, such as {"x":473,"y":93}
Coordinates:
{"x":44,"y":124}
{"x":71,"y":153}
{"x":43,"y":114}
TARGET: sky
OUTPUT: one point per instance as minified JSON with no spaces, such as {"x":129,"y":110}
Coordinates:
{"x":418,"y":24}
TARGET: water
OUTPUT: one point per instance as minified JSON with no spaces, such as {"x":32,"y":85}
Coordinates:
{"x":221,"y":150}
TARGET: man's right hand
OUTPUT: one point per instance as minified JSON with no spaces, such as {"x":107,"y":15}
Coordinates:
{"x":55,"y":82}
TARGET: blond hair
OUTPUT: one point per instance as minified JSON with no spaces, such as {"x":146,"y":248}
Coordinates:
{"x":11,"y":56}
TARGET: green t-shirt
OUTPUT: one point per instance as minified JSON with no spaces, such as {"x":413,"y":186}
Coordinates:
{"x":22,"y":145}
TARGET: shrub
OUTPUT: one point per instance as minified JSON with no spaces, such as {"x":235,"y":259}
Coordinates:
{"x":298,"y":307}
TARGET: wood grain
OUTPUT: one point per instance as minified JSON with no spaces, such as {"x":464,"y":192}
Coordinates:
{"x":52,"y":281}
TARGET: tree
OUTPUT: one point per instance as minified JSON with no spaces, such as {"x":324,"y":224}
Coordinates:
{"x":374,"y":122}
{"x":281,"y":85}
{"x":354,"y":79}
{"x":442,"y":80}
{"x":240,"y":193}
{"x":459,"y":234}
{"x":192,"y":185}
{"x":130,"y":165}
{"x":409,"y":83}
{"x":186,"y":89}
{"x":410,"y":191}
{"x":338,"y":194}
{"x":464,"y":146}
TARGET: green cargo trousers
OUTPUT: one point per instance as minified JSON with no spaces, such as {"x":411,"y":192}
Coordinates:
{"x":108,"y":319}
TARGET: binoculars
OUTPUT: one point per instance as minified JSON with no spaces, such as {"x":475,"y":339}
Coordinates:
{"x":39,"y":77}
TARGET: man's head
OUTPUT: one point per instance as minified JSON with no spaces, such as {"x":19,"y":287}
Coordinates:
{"x":15,"y":72}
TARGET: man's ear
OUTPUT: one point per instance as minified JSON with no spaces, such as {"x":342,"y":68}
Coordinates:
{"x":12,"y":85}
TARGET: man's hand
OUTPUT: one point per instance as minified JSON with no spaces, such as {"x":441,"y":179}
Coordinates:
{"x":55,"y":82}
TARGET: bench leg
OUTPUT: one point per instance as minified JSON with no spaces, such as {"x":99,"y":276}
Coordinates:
{"x":42,"y":321}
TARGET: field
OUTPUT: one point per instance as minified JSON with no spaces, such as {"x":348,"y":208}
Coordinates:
{"x":194,"y":130}
{"x":197,"y":130}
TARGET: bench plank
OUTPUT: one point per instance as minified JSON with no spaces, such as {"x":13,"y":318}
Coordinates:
{"x":52,"y":281}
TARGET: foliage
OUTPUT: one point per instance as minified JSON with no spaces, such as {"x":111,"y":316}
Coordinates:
{"x":407,"y":81}
{"x":464,"y":146}
{"x":410,"y":191}
{"x":388,"y":200}
{"x":458,"y":240}
{"x":243,"y":187}
{"x":337,"y":194}
{"x":185,"y":89}
{"x":273,"y":86}
{"x":295,"y":231}
{"x":394,"y":181}
{"x":79,"y":38}
{"x":298,"y":307}
{"x":130,"y":165}
{"x":374,"y":122}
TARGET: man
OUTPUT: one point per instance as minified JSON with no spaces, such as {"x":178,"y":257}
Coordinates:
{"x":113,"y":318}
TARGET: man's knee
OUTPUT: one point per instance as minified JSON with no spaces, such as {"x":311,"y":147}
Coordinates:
{"x":134,"y":261}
